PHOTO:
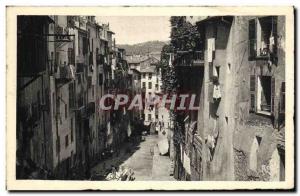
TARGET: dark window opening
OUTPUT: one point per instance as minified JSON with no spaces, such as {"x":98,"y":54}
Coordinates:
{"x":263,"y":38}
{"x":66,"y":141}
{"x":264,"y":94}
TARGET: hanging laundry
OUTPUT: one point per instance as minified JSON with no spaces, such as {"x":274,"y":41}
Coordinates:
{"x":215,"y":73}
{"x":186,"y":163}
{"x":217,"y":92}
{"x":108,"y":128}
{"x":72,"y":69}
{"x":210,"y":142}
{"x":210,"y":49}
{"x":193,"y":126}
{"x":128,"y":130}
{"x":272,"y":43}
{"x":170,"y":60}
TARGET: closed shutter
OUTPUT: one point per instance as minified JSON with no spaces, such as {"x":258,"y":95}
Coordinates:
{"x":252,"y":93}
{"x":210,"y":93}
{"x":252,"y":39}
{"x":273,"y":96}
{"x":211,"y":70}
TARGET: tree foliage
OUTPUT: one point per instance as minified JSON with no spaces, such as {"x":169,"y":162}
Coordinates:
{"x":184,"y":35}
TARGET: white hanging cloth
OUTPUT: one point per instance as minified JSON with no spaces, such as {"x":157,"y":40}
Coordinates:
{"x":210,"y":49}
{"x":72,"y":69}
{"x":217,"y":92}
{"x":170,"y":60}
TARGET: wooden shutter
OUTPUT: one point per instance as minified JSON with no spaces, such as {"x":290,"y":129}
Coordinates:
{"x":252,"y":93}
{"x":282,"y":98}
{"x":210,"y":92}
{"x":211,"y":70}
{"x":273,"y":96}
{"x":252,"y":38}
{"x":274,"y":32}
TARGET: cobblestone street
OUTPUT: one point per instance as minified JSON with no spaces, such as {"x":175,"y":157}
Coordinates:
{"x":144,"y":160}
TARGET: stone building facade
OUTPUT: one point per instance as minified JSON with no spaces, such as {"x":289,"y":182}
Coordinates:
{"x":241,"y":99}
{"x":62,"y":74}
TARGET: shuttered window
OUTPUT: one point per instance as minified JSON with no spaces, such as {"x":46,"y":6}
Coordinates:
{"x":100,"y":79}
{"x":282,"y":98}
{"x":252,"y":39}
{"x":273,"y":54}
{"x":252,"y":93}
{"x":273,"y":96}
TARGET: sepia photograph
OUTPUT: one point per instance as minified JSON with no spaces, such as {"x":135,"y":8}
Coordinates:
{"x":194,"y":95}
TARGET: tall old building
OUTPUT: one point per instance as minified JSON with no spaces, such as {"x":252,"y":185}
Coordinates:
{"x":64,"y":68}
{"x":238,"y":76}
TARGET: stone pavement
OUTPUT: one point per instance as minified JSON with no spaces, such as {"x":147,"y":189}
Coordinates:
{"x":145,"y":161}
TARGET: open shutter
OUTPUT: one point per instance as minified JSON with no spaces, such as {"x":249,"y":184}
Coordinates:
{"x":252,"y":93}
{"x":252,"y":38}
{"x":274,"y":48}
{"x":273,"y":96}
{"x":282,"y":98}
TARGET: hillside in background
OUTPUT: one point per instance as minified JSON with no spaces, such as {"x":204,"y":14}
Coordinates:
{"x":152,"y":47}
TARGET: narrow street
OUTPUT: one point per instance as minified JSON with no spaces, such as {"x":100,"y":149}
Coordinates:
{"x":143,"y":159}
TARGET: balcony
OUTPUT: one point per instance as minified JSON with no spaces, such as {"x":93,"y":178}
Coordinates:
{"x":190,"y":58}
{"x":65,"y":74}
{"x":198,"y":58}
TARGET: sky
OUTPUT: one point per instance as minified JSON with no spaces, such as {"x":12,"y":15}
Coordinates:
{"x":137,"y":29}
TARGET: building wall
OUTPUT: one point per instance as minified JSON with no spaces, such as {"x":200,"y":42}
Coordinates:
{"x":67,"y":146}
{"x":153,"y":81}
{"x":235,"y":68}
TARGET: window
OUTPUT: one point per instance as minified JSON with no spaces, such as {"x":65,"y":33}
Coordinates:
{"x":144,"y":85}
{"x":262,"y":91}
{"x":150,"y":85}
{"x":149,"y":117}
{"x":282,"y":98}
{"x":100,"y":79}
{"x":252,"y":93}
{"x":264,"y":94}
{"x":71,"y":95}
{"x":150,"y":76}
{"x":262,"y":38}
{"x":66,"y":111}
{"x":144,"y":75}
{"x":66,"y":141}
{"x":72,"y":131}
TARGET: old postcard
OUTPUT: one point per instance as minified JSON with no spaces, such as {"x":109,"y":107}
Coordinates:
{"x":123,"y":98}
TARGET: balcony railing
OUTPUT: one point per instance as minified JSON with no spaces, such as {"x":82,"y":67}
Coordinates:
{"x":198,"y":57}
{"x":190,"y":58}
